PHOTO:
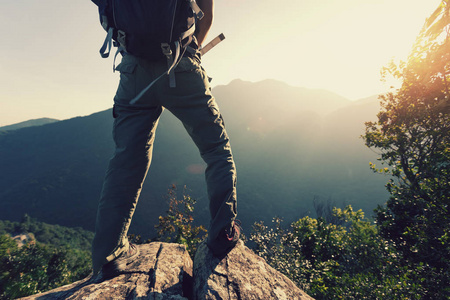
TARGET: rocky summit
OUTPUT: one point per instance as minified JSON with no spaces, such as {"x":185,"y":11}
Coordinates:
{"x":166,"y":271}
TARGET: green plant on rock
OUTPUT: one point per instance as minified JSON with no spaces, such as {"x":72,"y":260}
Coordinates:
{"x":178,"y":224}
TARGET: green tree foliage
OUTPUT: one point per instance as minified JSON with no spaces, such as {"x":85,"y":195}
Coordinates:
{"x":35,"y":267}
{"x":413,"y":135}
{"x":329,"y":261}
{"x":178,"y":225}
{"x":58,"y":256}
{"x":7,"y":245}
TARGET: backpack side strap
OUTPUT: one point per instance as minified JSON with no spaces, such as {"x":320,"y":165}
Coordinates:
{"x":107,"y":44}
{"x":174,"y":62}
{"x":171,"y":61}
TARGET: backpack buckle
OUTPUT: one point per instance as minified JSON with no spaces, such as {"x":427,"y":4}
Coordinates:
{"x":197,"y":11}
{"x":165,"y":47}
{"x":166,"y":50}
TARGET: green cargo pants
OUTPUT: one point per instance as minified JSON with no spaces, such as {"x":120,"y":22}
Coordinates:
{"x":134,"y":128}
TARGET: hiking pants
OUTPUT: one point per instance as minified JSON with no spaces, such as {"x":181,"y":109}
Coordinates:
{"x":134,"y":129}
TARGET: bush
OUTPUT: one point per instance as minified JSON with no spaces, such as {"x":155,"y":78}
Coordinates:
{"x":178,"y":225}
{"x":35,"y":267}
{"x":329,"y":261}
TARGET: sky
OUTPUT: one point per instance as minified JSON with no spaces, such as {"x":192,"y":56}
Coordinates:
{"x":50,"y":65}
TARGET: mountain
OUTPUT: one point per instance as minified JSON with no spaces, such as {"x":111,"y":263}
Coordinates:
{"x":291,"y":145}
{"x":29,"y":123}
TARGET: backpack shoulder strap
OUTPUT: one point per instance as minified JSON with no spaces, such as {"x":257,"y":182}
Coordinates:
{"x":197,"y":11}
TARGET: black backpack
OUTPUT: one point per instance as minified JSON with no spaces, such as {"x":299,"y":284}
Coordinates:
{"x":145,"y":28}
{"x":150,"y":29}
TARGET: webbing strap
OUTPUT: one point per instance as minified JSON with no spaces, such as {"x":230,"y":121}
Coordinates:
{"x":107,"y":44}
{"x":175,"y":62}
{"x":171,"y":71}
{"x":191,"y":50}
{"x":165,"y":47}
{"x":145,"y":90}
{"x":198,"y":12}
{"x":136,"y":99}
{"x":188,"y":32}
{"x":119,"y":49}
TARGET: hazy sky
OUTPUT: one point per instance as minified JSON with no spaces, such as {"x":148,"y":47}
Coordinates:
{"x":50,"y":66}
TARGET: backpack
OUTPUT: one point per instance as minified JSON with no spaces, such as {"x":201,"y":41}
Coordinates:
{"x":140,"y":27}
{"x":150,"y":29}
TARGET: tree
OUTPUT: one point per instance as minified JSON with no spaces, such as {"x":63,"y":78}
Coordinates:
{"x":413,"y":135}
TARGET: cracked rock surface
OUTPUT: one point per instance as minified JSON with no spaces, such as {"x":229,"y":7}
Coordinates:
{"x":240,"y":275}
{"x":162,"y":271}
{"x":165,"y":271}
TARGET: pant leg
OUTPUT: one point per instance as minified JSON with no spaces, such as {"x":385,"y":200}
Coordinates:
{"x":193,"y":104}
{"x":134,"y":134}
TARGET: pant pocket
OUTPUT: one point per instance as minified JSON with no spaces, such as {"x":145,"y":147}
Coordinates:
{"x":127,"y":89}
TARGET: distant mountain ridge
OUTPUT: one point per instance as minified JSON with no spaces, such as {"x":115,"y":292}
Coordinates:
{"x":280,"y":97}
{"x":29,"y":123}
{"x":291,"y":145}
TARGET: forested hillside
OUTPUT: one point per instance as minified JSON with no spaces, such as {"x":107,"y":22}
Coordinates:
{"x":291,"y":145}
{"x":51,"y":256}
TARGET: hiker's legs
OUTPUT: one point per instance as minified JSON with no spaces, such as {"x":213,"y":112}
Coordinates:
{"x":133,"y":133}
{"x":193,"y":104}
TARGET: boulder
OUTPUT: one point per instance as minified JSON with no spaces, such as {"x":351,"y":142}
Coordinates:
{"x":240,"y":275}
{"x":162,"y":271}
{"x":165,"y":271}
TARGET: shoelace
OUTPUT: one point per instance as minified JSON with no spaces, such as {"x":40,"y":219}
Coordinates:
{"x":131,"y":249}
{"x":236,"y":227}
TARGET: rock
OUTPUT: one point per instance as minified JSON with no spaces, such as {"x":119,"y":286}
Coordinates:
{"x":23,"y":239}
{"x":240,"y":275}
{"x":163,"y":271}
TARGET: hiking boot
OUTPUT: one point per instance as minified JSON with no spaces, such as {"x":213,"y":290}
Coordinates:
{"x":119,"y":265}
{"x":226,"y":240}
